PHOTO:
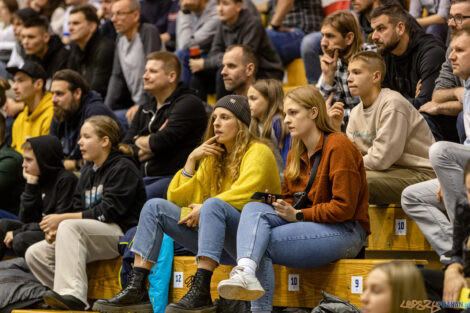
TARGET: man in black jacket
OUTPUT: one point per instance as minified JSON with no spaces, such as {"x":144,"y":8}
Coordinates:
{"x":42,"y":47}
{"x":74,"y":102}
{"x":166,"y":129}
{"x":412,"y":57}
{"x":91,"y":54}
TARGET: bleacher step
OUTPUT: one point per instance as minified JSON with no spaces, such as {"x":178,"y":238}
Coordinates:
{"x":294,"y":287}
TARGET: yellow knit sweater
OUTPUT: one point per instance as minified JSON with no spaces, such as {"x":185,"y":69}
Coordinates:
{"x":258,"y":172}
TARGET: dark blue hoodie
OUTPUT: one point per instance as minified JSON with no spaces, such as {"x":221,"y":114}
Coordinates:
{"x":68,"y":132}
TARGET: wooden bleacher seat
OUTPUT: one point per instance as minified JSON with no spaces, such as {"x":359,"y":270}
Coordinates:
{"x":294,"y":287}
{"x":295,"y":73}
{"x":393,"y":230}
{"x":103,"y":278}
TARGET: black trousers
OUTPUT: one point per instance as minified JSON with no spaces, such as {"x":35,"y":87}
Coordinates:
{"x":21,"y":241}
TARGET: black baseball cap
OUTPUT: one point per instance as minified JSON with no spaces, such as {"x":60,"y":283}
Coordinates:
{"x":30,"y":68}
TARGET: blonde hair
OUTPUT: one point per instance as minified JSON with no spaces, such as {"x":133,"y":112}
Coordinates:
{"x":344,"y":22}
{"x":104,"y":126}
{"x":228,"y":163}
{"x":308,"y":97}
{"x":271,"y":90}
{"x":372,"y":60}
{"x":406,"y":283}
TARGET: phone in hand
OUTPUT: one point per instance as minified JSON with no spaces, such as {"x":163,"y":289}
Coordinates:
{"x":264,"y":196}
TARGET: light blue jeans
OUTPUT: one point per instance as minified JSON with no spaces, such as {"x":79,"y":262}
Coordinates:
{"x":310,"y":50}
{"x":266,"y":238}
{"x":215,"y":237}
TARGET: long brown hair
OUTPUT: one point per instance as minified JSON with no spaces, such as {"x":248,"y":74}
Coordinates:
{"x":104,"y":126}
{"x":271,"y":90}
{"x":344,"y":22}
{"x":228,"y":163}
{"x":308,"y":97}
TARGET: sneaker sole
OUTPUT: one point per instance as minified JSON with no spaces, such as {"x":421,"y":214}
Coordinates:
{"x":134,"y":308}
{"x":233,"y":292}
{"x":205,"y":309}
{"x":55,"y":304}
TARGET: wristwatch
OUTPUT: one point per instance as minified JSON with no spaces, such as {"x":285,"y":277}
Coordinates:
{"x":299,"y":216}
{"x":275,"y":27}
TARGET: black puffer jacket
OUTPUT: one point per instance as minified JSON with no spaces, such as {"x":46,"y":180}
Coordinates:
{"x":19,"y":288}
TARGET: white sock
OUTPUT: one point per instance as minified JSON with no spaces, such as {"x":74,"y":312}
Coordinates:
{"x":248,"y":265}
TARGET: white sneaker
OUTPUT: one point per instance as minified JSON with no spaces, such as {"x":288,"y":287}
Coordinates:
{"x":240,"y":286}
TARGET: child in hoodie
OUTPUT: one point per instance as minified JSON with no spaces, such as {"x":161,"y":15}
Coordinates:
{"x":49,"y":189}
{"x":107,"y":201}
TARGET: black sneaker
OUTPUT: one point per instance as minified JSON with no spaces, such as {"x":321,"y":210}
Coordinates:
{"x":196,"y":300}
{"x":65,"y":302}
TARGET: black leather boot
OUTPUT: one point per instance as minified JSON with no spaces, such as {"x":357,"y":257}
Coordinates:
{"x":198,"y":299}
{"x":133,"y":298}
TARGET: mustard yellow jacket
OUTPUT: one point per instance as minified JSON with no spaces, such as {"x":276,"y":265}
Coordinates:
{"x":258,"y":172}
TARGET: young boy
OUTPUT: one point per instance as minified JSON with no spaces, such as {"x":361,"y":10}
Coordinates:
{"x":49,"y":190}
{"x":238,"y":26}
{"x":392,"y":136}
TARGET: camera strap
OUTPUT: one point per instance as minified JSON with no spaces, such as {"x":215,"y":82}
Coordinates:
{"x":313,"y":173}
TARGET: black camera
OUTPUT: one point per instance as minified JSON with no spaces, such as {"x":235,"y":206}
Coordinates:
{"x":301,"y":200}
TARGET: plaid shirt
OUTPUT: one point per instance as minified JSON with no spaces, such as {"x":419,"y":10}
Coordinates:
{"x":340,"y":88}
{"x":305,"y":14}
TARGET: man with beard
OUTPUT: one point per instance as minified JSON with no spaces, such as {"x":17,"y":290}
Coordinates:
{"x":239,"y":66}
{"x":35,"y":119}
{"x":412,"y":57}
{"x":341,"y":40}
{"x":444,"y":102}
{"x":74,"y":102}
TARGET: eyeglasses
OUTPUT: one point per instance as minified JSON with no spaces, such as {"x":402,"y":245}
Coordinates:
{"x":458,"y":19}
{"x":120,"y":14}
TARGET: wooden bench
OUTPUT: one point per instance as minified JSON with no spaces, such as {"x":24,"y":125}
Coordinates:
{"x":294,"y":287}
{"x":393,"y":230}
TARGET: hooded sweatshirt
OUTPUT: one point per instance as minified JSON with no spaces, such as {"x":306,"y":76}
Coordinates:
{"x":32,"y":124}
{"x":111,"y":193}
{"x":55,"y":189}
{"x":422,"y":60}
{"x":68,"y":132}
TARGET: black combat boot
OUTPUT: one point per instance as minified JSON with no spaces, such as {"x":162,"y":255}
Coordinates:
{"x":133,"y":298}
{"x":198,"y":299}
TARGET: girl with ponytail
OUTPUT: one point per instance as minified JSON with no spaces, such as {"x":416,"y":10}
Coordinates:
{"x":107,"y":202}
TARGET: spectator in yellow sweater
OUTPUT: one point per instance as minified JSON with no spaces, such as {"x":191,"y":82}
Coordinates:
{"x":35,"y":119}
{"x":232,"y":166}
{"x":392,"y":136}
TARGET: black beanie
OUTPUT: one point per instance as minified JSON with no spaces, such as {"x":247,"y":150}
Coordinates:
{"x":236,"y":104}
